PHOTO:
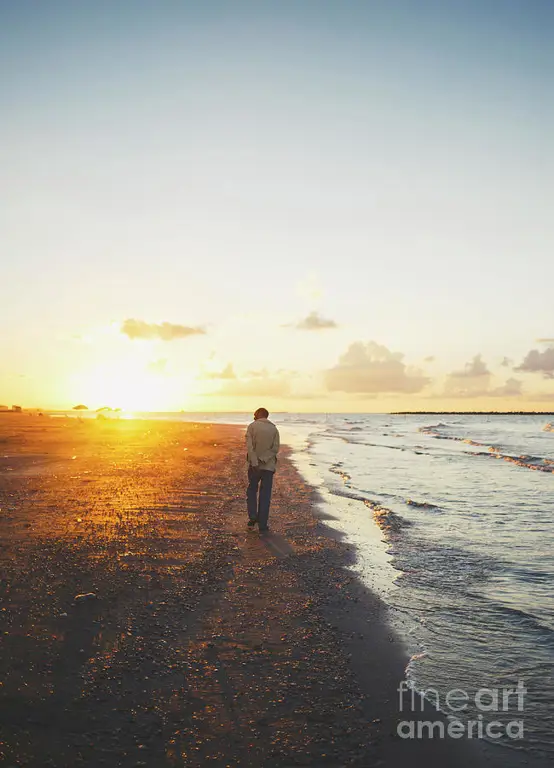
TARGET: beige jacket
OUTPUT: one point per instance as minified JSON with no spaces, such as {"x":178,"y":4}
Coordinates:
{"x":262,"y":444}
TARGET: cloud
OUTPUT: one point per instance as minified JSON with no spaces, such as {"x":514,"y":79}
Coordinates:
{"x":511,"y":388}
{"x":371,"y":368}
{"x":139,"y":329}
{"x":475,"y":368}
{"x":545,"y":341}
{"x":429,"y":359}
{"x":539,"y":362}
{"x":227,"y":373}
{"x":263,"y":373}
{"x":506,"y":362}
{"x":314,"y":322}
{"x":472,"y":381}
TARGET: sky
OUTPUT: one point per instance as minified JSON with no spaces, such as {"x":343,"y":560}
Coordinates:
{"x":314,"y":206}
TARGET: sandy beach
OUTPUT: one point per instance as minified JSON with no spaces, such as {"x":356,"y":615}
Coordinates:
{"x":143,"y":625}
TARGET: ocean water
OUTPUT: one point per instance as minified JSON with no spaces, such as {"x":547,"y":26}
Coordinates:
{"x":452,"y":518}
{"x":465,"y":505}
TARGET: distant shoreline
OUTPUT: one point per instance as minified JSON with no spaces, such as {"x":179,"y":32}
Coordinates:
{"x":145,"y":414}
{"x":472,"y":413}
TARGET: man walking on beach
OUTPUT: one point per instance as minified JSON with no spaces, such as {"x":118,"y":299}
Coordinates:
{"x":262,"y":444}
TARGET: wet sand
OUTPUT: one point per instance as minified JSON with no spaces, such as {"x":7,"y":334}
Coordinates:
{"x":202,"y":643}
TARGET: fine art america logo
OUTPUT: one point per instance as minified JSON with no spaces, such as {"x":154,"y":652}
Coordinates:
{"x":457,"y":703}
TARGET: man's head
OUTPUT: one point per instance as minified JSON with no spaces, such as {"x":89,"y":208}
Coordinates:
{"x":261,"y":413}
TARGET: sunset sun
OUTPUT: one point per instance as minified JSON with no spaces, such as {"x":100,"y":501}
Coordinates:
{"x":131,"y":389}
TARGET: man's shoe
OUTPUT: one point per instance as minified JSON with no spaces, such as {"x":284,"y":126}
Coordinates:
{"x":264,"y":530}
{"x":252,"y":523}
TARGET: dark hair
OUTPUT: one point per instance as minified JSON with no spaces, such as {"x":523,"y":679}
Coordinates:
{"x":261,"y":413}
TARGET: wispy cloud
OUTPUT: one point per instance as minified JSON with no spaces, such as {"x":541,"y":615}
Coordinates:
{"x":139,"y":329}
{"x":539,"y":362}
{"x":468,"y":388}
{"x":471,"y":381}
{"x":475,"y":368}
{"x":545,"y":341}
{"x":511,"y":388}
{"x":474,"y":380}
{"x":372,"y":368}
{"x":226,"y":373}
{"x":313,"y":322}
{"x":260,"y":387}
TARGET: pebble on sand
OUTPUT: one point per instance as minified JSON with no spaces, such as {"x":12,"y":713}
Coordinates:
{"x":85,"y":596}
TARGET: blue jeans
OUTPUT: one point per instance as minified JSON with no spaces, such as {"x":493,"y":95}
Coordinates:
{"x":258,"y":503}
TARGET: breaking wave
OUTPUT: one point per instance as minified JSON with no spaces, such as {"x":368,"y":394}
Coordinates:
{"x":537,"y":463}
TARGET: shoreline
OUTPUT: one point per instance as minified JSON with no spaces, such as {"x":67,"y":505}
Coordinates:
{"x":377,"y":576}
{"x":204,"y":643}
{"x":379,"y":579}
{"x":334,"y":509}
